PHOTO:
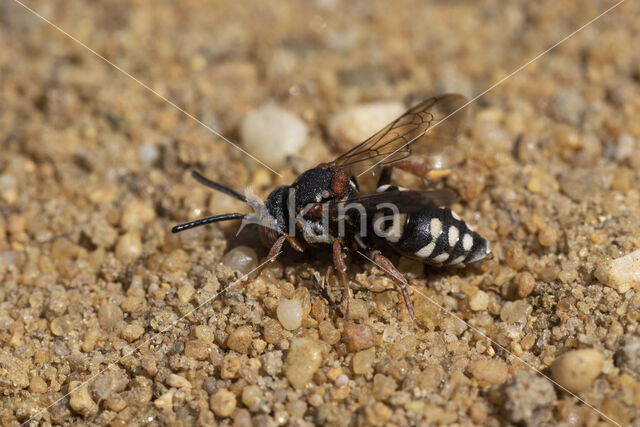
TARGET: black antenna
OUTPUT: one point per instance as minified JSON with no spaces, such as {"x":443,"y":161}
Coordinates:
{"x":221,"y":188}
{"x":207,"y":220}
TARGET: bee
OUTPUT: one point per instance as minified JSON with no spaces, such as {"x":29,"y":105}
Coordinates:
{"x":324,"y":207}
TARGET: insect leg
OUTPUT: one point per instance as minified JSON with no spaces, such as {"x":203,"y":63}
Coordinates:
{"x":393,"y":273}
{"x":341,"y":267}
{"x":420,"y":169}
{"x":274,"y":252}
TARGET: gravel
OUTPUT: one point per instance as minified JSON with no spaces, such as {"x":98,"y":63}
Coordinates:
{"x":95,"y":171}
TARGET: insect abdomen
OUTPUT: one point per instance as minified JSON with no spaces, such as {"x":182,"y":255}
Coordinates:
{"x":435,"y":236}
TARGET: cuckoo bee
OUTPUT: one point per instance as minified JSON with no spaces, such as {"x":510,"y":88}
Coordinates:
{"x":323,"y":206}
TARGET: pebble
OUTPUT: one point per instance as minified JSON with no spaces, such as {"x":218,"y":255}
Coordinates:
{"x":241,"y":258}
{"x":204,"y":333}
{"x":548,"y":236}
{"x":516,"y":258}
{"x":290,"y":314}
{"x":136,"y":214}
{"x":132,"y":332}
{"x":526,"y":283}
{"x":542,"y":183}
{"x":178,"y":381}
{"x":622,"y":274}
{"x":223,"y":403}
{"x":109,"y":315}
{"x":383,"y":386}
{"x":129,"y":247}
{"x":568,"y":106}
{"x":80,"y":399}
{"x":196,"y":349}
{"x":240,"y":339}
{"x":489,"y":371}
{"x":38,"y":385}
{"x":576,"y":369}
{"x":176,"y":261}
{"x":363,"y":361}
{"x":355,"y":124}
{"x":271,"y":134}
{"x":328,"y":332}
{"x":359,"y":337}
{"x":515,"y":312}
{"x":479,"y":301}
{"x":303,"y":360}
{"x":627,"y":357}
{"x":148,"y":154}
{"x":165,"y":401}
{"x":624,"y":147}
{"x":252,"y":397}
{"x":529,"y":399}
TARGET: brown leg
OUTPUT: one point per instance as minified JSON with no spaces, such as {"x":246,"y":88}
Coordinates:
{"x":274,"y":252}
{"x":393,"y":273}
{"x":420,"y":169}
{"x":341,"y":267}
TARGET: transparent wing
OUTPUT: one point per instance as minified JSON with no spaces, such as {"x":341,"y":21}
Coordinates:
{"x":432,"y":124}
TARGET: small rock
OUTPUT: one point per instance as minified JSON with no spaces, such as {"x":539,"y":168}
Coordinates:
{"x":568,"y":106}
{"x":252,"y":397}
{"x":359,"y":337}
{"x":515,"y":312}
{"x":516,"y":258}
{"x":378,"y":413}
{"x":383,"y":386}
{"x":355,"y":124}
{"x":38,"y":385}
{"x":290,"y":314}
{"x":478,"y":413}
{"x":479,"y":301}
{"x":489,"y":371}
{"x":358,"y":309}
{"x":303,"y":360}
{"x":148,"y":154}
{"x":621,"y":273}
{"x":240,"y":339}
{"x":223,"y":403}
{"x":525,"y":282}
{"x":628,"y":356}
{"x":363,"y":361}
{"x":529,"y":399}
{"x":576,"y":369}
{"x":137,"y":214}
{"x":271,"y":134}
{"x":129,"y":247}
{"x":241,"y":258}
{"x":165,"y":401}
{"x":328,"y":332}
{"x":542,"y":183}
{"x":548,"y":236}
{"x":132,"y":332}
{"x":178,"y":381}
{"x":177,"y":260}
{"x":204,"y":333}
{"x":196,"y":349}
{"x":80,"y":400}
{"x":624,"y":147}
{"x":109,"y":315}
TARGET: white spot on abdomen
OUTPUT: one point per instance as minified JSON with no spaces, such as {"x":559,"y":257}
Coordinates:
{"x":427,"y":250}
{"x":453,"y":235}
{"x":467,"y":242}
{"x":441,"y":258}
{"x":435,"y":228}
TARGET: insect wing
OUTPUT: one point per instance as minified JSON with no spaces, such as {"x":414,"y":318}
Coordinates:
{"x":430,"y":125}
{"x":405,"y":201}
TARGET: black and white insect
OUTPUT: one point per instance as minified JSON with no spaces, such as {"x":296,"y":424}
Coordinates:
{"x":323,"y":206}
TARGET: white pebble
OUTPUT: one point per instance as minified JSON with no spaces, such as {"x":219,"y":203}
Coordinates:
{"x":342,"y":380}
{"x":622,"y":273}
{"x":624,"y":147}
{"x":148,"y":154}
{"x":290,"y":314}
{"x":355,"y":124}
{"x":271,"y":134}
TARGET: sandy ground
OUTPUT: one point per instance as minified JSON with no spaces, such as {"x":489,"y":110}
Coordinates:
{"x":108,"y":318}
